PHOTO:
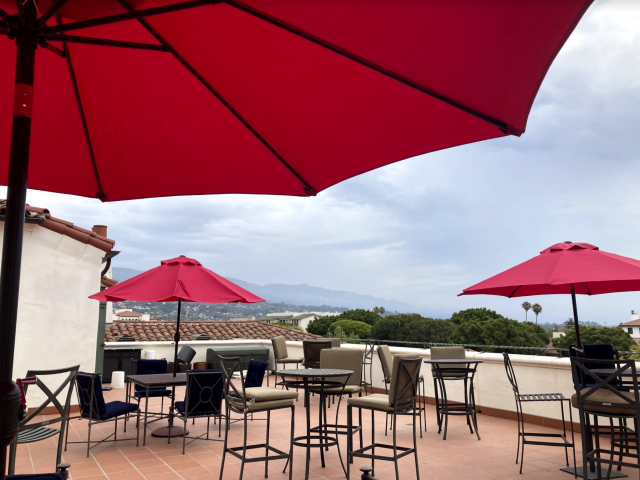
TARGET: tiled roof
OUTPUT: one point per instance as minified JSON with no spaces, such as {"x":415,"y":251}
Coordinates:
{"x":163,"y":330}
{"x":128,"y":313}
{"x":631,"y":323}
{"x":45,"y":220}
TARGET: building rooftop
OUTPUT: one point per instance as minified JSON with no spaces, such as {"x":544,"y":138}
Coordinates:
{"x":632,"y":323}
{"x":128,"y":313}
{"x":163,"y":330}
{"x":43,"y":217}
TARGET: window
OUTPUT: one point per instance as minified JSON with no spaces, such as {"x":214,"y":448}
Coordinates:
{"x":630,"y":330}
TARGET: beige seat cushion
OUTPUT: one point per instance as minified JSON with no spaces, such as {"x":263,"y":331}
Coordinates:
{"x":386,"y":360}
{"x":290,"y":360}
{"x":348,"y":389}
{"x":447,"y":353}
{"x":268,"y":394}
{"x":608,"y":397}
{"x":279,"y":348}
{"x":261,"y":406}
{"x":377,"y":401}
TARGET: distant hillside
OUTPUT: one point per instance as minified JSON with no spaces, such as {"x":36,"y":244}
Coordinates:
{"x":308,"y":296}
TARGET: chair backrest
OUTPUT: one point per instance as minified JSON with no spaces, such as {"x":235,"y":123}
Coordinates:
{"x":229,"y":365}
{"x":279,"y":348}
{"x":186,"y":354}
{"x":204,"y":392}
{"x":312,"y":349}
{"x":511,"y":376}
{"x":386,"y":360}
{"x":594,"y":353}
{"x":447,"y":353}
{"x":343,"y":359}
{"x":67,"y":382}
{"x":255,"y":374}
{"x":147,"y":367}
{"x":335,"y":342}
{"x":90,"y":398}
{"x":597,"y":394}
{"x":404,"y":380}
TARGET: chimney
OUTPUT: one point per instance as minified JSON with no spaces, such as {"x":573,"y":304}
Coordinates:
{"x":634,"y":315}
{"x":100,"y":230}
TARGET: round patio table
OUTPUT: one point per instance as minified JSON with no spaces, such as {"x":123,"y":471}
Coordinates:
{"x":317,"y":378}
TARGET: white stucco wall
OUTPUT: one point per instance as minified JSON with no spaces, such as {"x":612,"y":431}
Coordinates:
{"x":57,"y":322}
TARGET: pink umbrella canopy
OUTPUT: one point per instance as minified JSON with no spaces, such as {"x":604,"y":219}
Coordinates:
{"x":178,"y":279}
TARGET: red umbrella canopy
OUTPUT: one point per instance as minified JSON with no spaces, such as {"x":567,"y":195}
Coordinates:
{"x":176,"y":279}
{"x":581,"y":265}
{"x":270,"y":96}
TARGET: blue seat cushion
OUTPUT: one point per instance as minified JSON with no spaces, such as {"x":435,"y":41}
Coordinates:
{"x":117,"y":408}
{"x":201,"y":412}
{"x":153,"y":392}
{"x":255,"y":374}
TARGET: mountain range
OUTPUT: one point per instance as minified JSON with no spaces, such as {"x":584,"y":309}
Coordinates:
{"x":309,"y":295}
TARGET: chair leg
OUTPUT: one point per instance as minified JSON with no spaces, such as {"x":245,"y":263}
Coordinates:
{"x":293,"y":424}
{"x":244,"y":446}
{"x":184,"y":433}
{"x":226,"y":438}
{"x":349,"y":438}
{"x":66,"y":436}
{"x":360,"y":425}
{"x":395,"y":450}
{"x":138,"y":430}
{"x":115,"y":429}
{"x":266,"y":448}
{"x":415,"y":440}
{"x":373,"y":441}
{"x":89,"y":439}
{"x":13,"y":450}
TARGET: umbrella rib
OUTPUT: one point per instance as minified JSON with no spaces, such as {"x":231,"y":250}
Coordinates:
{"x":76,"y":92}
{"x":308,"y":189}
{"x":55,"y":8}
{"x":503,"y":126}
{"x":586,"y":288}
{"x":105,"y":42}
{"x":6,"y":17}
{"x":514,"y":292}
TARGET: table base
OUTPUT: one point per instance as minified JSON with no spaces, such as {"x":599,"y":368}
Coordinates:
{"x":593,"y":475}
{"x":169,"y":432}
{"x":323,"y":441}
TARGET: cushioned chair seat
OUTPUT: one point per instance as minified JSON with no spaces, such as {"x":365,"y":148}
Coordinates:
{"x":117,"y":408}
{"x":291,"y":360}
{"x":376,"y":401}
{"x":605,"y":396}
{"x":153,"y":392}
{"x":267,"y":394}
{"x":348,"y":389}
{"x":180,"y":408}
{"x":259,"y":406}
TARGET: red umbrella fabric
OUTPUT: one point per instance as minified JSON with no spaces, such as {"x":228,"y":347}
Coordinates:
{"x":179,"y":278}
{"x":557,"y":269}
{"x":272,"y":96}
{"x":565,"y":268}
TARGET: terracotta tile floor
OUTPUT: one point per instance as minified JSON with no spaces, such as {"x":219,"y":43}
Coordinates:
{"x":461,"y":456}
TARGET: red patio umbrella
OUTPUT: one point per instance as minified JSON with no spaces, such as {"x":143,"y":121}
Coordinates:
{"x":147,"y":98}
{"x":178,"y":279}
{"x":575,"y":268}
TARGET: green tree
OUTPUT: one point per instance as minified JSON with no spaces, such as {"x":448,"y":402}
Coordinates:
{"x":352,"y":328}
{"x":617,"y":337}
{"x":379,"y":310}
{"x":427,"y":330}
{"x":390,"y":327}
{"x":568,"y":322}
{"x":481,"y":326}
{"x":527,"y":307}
{"x":320,"y":326}
{"x":537,"y":309}
{"x":361,"y":315}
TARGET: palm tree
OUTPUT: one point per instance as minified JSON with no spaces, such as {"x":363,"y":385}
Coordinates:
{"x":526,"y":306}
{"x":536,"y":309}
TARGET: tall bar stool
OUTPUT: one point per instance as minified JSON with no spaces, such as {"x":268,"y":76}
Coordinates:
{"x":386,"y":360}
{"x":246,"y":401}
{"x":450,"y":373}
{"x":403,"y":393}
{"x":281,"y":355}
{"x":367,"y":361}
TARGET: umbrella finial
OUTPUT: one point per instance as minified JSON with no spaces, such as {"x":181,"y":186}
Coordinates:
{"x":568,"y":242}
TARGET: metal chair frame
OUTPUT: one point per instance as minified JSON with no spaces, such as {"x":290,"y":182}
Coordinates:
{"x":229,"y":365}
{"x":412,"y":389}
{"x":369,"y":348}
{"x":129,"y":395}
{"x":192,"y":376}
{"x":35,"y":432}
{"x":539,"y":397}
{"x":94,"y":416}
{"x":311,"y":352}
{"x":593,"y":454}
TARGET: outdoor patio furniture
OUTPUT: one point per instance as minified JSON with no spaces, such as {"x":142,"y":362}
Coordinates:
{"x":536,"y":438}
{"x":340,"y":358}
{"x":147,"y":367}
{"x":367,"y":361}
{"x":245,"y":354}
{"x":402,"y":398}
{"x":281,"y":355}
{"x":186,"y":354}
{"x":322,"y":438}
{"x":250,"y":400}
{"x":594,"y":353}
{"x":464,"y":370}
{"x":311,"y":350}
{"x":94,"y":409}
{"x":35,"y":431}
{"x":203,"y":399}
{"x":441,"y":353}
{"x":386,"y":361}
{"x":607,"y":398}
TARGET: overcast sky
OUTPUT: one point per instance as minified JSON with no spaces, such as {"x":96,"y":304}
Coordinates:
{"x":422,"y":230}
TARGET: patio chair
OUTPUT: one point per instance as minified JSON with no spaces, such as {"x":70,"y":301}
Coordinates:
{"x":282,"y":357}
{"x":244,"y":400}
{"x":449,"y":373}
{"x":31,"y":431}
{"x":203,"y":399}
{"x":345,"y":359}
{"x":367,"y":361}
{"x":148,"y":367}
{"x":94,"y":409}
{"x":403,"y":393}
{"x":536,"y":438}
{"x":599,"y":397}
{"x":386,"y":361}
{"x":311,"y":350}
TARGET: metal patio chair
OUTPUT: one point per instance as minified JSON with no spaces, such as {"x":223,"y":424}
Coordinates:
{"x":367,"y":361}
{"x":244,"y":401}
{"x":281,"y":355}
{"x":536,"y":437}
{"x":148,"y":367}
{"x":36,"y":431}
{"x":94,"y":409}
{"x":402,"y":398}
{"x":311,"y":350}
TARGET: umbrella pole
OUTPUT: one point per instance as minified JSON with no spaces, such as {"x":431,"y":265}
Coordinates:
{"x":579,"y":348}
{"x":10,"y":407}
{"x":176,"y":338}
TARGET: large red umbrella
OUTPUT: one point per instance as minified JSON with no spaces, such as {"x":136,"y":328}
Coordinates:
{"x":575,"y":268}
{"x":149,"y":98}
{"x":178,"y":279}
